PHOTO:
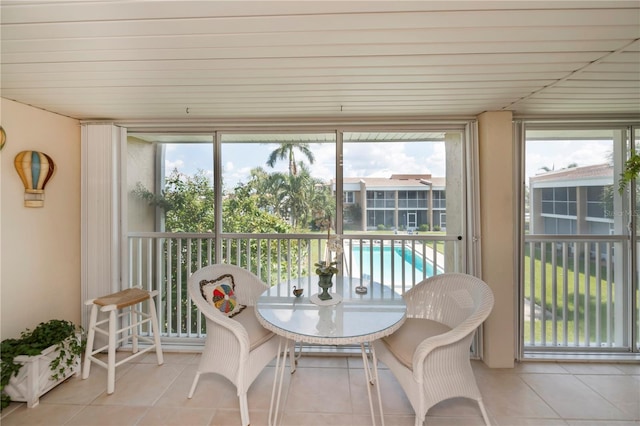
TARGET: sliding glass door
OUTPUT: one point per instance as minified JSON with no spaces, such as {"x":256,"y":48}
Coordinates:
{"x":579,"y":286}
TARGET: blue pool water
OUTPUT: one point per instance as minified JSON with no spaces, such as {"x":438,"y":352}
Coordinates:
{"x":400,"y":263}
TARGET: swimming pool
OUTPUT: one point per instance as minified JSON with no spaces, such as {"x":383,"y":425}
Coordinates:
{"x":401,"y":264}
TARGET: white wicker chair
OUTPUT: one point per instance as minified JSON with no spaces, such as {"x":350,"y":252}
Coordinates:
{"x":429,"y":354}
{"x":237,"y":348}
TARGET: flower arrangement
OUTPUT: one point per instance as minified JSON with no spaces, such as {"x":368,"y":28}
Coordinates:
{"x":328,"y":266}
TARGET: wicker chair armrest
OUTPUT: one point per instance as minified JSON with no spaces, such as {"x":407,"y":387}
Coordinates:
{"x":432,"y":343}
{"x":469,"y":326}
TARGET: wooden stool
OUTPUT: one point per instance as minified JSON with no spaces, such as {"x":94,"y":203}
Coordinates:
{"x":127,"y":300}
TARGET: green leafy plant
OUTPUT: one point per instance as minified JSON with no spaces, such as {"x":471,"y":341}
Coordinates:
{"x":322,"y":268}
{"x":631,"y":171}
{"x":60,"y":333}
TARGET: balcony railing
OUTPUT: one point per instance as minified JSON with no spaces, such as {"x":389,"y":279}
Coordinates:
{"x":576,"y":292}
{"x":575,"y":288}
{"x":164,"y":261}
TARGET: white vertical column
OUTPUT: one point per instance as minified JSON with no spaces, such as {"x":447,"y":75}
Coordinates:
{"x":499,"y":234}
{"x":100,"y":189}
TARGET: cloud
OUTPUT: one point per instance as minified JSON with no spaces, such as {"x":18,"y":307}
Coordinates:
{"x":557,"y":155}
{"x":360,"y":159}
{"x":385,"y":159}
{"x":231,"y":178}
{"x":175,"y":164}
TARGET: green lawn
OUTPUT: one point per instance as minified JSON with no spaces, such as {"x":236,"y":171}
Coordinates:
{"x":596,"y":302}
{"x":565,"y":292}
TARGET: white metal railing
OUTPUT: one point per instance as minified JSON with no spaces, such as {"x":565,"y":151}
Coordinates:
{"x":164,"y":261}
{"x":576,"y":292}
{"x":578,"y":300}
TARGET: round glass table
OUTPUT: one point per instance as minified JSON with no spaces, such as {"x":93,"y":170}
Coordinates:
{"x":349,"y":319}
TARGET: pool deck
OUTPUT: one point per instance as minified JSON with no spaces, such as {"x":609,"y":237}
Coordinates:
{"x":438,"y":262}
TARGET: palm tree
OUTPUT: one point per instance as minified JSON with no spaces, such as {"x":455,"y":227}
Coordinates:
{"x":285,"y":150}
{"x":269,"y":189}
{"x":291,"y":197}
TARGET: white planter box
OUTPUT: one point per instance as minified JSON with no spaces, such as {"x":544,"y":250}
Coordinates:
{"x":34,"y":378}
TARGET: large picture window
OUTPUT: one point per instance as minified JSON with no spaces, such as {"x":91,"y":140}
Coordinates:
{"x":269,"y":201}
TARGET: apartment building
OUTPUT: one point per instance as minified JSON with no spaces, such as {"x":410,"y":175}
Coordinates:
{"x":402,"y":202}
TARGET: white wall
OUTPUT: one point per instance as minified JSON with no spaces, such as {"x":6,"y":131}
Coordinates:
{"x":40,"y":247}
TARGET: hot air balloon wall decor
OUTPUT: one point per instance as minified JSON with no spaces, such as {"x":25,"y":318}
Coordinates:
{"x":3,"y":138}
{"x":35,"y":170}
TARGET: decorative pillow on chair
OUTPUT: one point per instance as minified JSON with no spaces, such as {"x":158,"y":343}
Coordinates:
{"x":220,"y":293}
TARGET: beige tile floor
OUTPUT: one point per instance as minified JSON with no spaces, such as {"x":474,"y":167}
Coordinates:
{"x":331,"y":391}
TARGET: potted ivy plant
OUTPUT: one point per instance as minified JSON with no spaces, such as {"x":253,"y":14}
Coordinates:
{"x":39,"y":360}
{"x":631,"y":171}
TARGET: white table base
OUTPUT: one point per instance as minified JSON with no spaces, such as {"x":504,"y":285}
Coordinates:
{"x":370,"y":373}
{"x":353,"y":320}
{"x":284,"y":346}
{"x":371,"y":376}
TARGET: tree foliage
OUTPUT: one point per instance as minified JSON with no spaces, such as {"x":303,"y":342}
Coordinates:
{"x":242,"y":214}
{"x":286,"y":151}
{"x":187,"y":202}
{"x":294,"y":198}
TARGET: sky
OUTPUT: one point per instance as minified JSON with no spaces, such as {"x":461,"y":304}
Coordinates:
{"x":372,"y":159}
{"x":560,"y":154}
{"x":360,"y":160}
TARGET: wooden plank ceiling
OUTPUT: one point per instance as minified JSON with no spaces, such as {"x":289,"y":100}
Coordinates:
{"x":163,"y":60}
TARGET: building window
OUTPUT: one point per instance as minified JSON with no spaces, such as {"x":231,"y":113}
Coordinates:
{"x":380,"y":218}
{"x":348,"y":197}
{"x":381,"y":209}
{"x":381,"y":199}
{"x":596,"y":201}
{"x":412,"y":199}
{"x":439,"y":200}
{"x":560,"y":201}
